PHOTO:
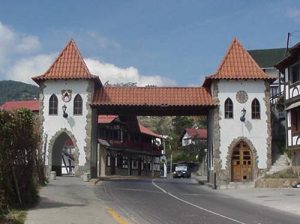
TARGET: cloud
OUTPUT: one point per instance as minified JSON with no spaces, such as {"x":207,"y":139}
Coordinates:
{"x":19,"y":61}
{"x":294,"y":14}
{"x":28,"y":67}
{"x":102,"y":41}
{"x":13,"y":45}
{"x":114,"y":74}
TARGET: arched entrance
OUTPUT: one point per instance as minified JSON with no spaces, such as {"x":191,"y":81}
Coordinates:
{"x":63,"y":155}
{"x":241,"y":163}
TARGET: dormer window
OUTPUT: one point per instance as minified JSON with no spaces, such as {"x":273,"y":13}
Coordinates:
{"x":53,"y":103}
{"x":77,"y":105}
{"x":228,"y":108}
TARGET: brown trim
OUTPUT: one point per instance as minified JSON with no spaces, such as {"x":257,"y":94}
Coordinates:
{"x":296,"y":147}
{"x":294,"y":84}
{"x":292,"y":100}
{"x":295,"y":133}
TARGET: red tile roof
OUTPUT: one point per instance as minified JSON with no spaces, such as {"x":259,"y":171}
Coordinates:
{"x":153,"y":96}
{"x":106,"y":119}
{"x":32,"y":105}
{"x":238,"y":64}
{"x":197,"y":133}
{"x":147,"y":131}
{"x":68,"y":65}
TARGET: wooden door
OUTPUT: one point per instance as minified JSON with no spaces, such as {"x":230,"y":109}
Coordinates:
{"x":241,"y":163}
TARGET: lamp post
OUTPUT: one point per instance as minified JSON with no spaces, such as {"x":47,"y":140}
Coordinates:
{"x":64,"y":108}
{"x":242,"y":118}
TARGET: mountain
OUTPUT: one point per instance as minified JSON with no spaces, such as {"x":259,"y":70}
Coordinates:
{"x":13,"y":90}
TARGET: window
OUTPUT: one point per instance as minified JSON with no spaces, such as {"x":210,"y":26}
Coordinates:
{"x":53,"y":103}
{"x":255,"y":107}
{"x":295,"y":118}
{"x":77,"y":110}
{"x":294,"y":73}
{"x":228,"y":108}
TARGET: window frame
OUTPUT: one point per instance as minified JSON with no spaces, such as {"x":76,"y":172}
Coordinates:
{"x":53,"y":105}
{"x":228,"y":109}
{"x":77,"y":105}
{"x":255,"y":109}
{"x":294,"y":73}
{"x":295,"y":121}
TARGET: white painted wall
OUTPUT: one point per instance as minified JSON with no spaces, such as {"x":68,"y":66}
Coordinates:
{"x":253,"y":129}
{"x":186,"y":140}
{"x":76,"y":124}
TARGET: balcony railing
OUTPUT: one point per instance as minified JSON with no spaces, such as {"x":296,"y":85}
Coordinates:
{"x":138,"y":146}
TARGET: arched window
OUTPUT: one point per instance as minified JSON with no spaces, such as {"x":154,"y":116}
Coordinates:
{"x":77,"y":109}
{"x":255,"y":109}
{"x":228,"y":108}
{"x":53,"y":103}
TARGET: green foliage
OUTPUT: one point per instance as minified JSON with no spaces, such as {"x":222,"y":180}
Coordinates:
{"x":14,"y":217}
{"x":12,"y":90}
{"x":18,"y":149}
{"x":280,"y":104}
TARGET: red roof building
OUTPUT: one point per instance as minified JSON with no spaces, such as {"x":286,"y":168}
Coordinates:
{"x":32,"y":105}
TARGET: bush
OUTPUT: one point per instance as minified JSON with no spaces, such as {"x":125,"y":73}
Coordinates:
{"x":18,"y":156}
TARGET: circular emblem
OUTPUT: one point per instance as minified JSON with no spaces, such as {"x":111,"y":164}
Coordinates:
{"x":66,"y":95}
{"x":241,"y":96}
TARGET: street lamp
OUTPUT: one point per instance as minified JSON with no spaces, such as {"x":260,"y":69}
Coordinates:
{"x":243,"y":111}
{"x":64,"y":108}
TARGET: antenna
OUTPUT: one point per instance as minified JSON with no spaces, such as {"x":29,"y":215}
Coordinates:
{"x":287,"y":42}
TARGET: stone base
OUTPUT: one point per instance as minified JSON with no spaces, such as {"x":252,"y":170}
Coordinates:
{"x":276,"y":182}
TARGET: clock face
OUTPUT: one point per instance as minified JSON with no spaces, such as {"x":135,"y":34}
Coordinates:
{"x":242,"y":96}
{"x":66,"y":95}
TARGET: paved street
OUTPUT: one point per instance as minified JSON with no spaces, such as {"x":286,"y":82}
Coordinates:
{"x":182,"y":201}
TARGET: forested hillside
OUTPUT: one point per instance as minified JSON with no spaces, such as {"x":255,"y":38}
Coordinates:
{"x":12,"y":90}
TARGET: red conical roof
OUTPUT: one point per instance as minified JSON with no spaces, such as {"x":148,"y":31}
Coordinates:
{"x":238,"y":64}
{"x":68,"y":65}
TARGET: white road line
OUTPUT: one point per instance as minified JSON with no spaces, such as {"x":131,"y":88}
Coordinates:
{"x":196,"y":206}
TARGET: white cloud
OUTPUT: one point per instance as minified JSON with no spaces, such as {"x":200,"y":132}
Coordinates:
{"x":28,"y":44}
{"x":102,"y":41}
{"x":28,"y":67}
{"x":13,"y":45}
{"x":114,"y":74}
{"x":19,"y":61}
{"x":294,"y":14}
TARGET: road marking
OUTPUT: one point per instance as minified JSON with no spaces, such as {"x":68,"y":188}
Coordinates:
{"x":116,"y":216}
{"x":196,"y":206}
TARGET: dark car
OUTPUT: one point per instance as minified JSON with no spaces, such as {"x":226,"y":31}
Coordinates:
{"x":182,"y":171}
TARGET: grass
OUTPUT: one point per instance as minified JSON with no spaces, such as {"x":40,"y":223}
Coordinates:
{"x":14,"y":217}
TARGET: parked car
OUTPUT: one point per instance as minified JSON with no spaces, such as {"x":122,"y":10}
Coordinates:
{"x":182,"y":170}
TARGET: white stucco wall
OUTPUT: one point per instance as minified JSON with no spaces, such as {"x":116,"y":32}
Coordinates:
{"x":253,"y":129}
{"x":186,"y":137}
{"x":76,"y":124}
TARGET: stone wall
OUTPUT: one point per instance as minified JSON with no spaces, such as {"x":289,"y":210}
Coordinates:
{"x":276,"y":182}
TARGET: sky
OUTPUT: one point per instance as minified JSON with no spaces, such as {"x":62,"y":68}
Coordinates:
{"x":150,"y":42}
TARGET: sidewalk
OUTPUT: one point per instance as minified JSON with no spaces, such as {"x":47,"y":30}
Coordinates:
{"x":69,"y":200}
{"x":284,"y":199}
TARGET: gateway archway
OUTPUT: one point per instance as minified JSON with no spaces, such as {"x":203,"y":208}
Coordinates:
{"x":63,"y":154}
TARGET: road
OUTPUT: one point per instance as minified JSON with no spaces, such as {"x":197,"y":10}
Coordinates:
{"x":172,"y":201}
